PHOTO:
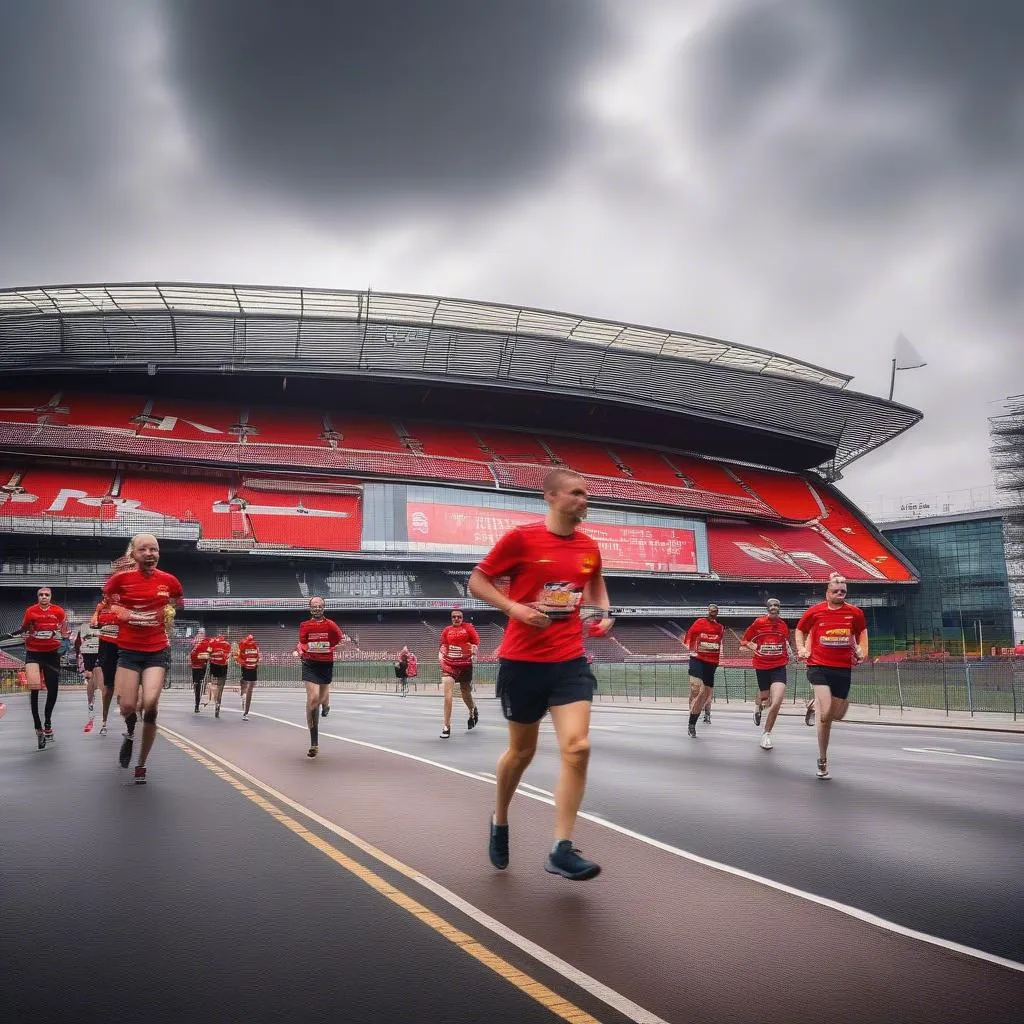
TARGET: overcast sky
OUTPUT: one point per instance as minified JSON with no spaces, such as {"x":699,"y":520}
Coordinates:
{"x":808,"y":176}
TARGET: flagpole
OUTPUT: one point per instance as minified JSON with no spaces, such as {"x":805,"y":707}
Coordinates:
{"x":892,"y":378}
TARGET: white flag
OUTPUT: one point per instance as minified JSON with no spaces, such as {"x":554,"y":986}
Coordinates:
{"x":907,"y":357}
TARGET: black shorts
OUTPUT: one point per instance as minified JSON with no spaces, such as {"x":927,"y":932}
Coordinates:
{"x":528,"y":688}
{"x":108,"y":661}
{"x":219,"y":672}
{"x":461,"y":674}
{"x":249,"y":675}
{"x":198,"y":675}
{"x":48,"y":662}
{"x":703,"y":670}
{"x":836,"y":679}
{"x":767,"y":676}
{"x":89,"y":661}
{"x":139,"y":661}
{"x":319,"y":672}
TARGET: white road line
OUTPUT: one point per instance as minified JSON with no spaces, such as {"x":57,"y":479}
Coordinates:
{"x":536,"y":789}
{"x":632,"y":1011}
{"x":823,"y":901}
{"x":951,"y":753}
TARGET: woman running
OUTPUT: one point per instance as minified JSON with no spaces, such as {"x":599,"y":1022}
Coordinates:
{"x":106,"y":618}
{"x":45,"y":629}
{"x":147,"y":597}
{"x":318,"y":637}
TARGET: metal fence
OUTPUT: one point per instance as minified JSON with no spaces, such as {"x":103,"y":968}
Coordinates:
{"x":991,"y":685}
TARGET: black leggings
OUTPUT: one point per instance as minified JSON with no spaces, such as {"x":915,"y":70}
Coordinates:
{"x":51,"y":677}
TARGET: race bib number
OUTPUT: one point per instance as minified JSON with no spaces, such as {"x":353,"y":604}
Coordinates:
{"x":454,"y":651}
{"x":44,"y":634}
{"x":771,"y":650}
{"x":203,"y":656}
{"x":558,"y":600}
{"x":836,"y":638}
{"x":142,"y":619}
{"x":318,"y":646}
{"x":709,"y":646}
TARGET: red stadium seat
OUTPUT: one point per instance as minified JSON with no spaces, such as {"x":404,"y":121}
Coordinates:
{"x":791,"y":496}
{"x":285,"y":426}
{"x":584,"y":456}
{"x":708,"y":476}
{"x":450,"y":442}
{"x":57,"y":493}
{"x":365,"y":433}
{"x":511,"y":446}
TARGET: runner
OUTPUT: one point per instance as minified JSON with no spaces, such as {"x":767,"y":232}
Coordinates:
{"x":554,"y":568}
{"x":831,"y":637}
{"x":45,"y":629}
{"x":106,"y":618}
{"x":199,"y":660}
{"x":220,"y":656}
{"x":318,"y":637}
{"x":704,"y":639}
{"x":248,"y":658}
{"x":402,"y":670}
{"x":147,"y":597}
{"x":88,"y":644}
{"x":459,"y":644}
{"x":767,"y":638}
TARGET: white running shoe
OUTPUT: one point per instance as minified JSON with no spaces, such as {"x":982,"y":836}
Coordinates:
{"x":245,"y":718}
{"x":766,"y":741}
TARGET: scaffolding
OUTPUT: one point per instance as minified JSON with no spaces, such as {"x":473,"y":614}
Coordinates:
{"x":1006,"y":433}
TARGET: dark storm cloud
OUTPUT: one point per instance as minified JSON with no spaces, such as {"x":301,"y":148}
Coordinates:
{"x":353,"y":102}
{"x":953,"y":64}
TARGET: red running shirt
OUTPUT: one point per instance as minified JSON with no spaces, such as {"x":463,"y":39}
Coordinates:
{"x":199,"y":656}
{"x":548,"y":572}
{"x":832,"y":633}
{"x":143,"y":599}
{"x":704,"y":638}
{"x":769,"y":637}
{"x":220,"y":650}
{"x":248,"y":653}
{"x":457,"y":643}
{"x":44,"y":628}
{"x":317,"y":640}
{"x":109,"y":623}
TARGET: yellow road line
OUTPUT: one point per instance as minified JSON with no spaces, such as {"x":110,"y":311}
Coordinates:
{"x":534,"y":989}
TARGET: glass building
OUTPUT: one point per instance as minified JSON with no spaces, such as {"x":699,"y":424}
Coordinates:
{"x":963,"y":602}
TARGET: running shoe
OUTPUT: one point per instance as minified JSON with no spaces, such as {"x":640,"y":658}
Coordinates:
{"x":809,"y":714}
{"x":757,"y":717}
{"x":48,"y":732}
{"x":446,"y":732}
{"x":474,"y":717}
{"x":216,"y":711}
{"x":124,"y":756}
{"x":103,"y":729}
{"x":497,"y":848}
{"x":88,"y":726}
{"x":707,"y":716}
{"x":766,"y":741}
{"x":195,"y":710}
{"x":245,"y":718}
{"x":823,"y":769}
{"x":313,"y":751}
{"x":325,"y":710}
{"x":140,"y":775}
{"x":691,"y":731}
{"x":565,"y":860}
{"x":41,"y":739}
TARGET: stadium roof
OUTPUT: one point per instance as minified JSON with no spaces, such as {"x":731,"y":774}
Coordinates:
{"x":418,"y":310}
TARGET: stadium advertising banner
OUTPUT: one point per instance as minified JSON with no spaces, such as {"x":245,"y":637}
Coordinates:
{"x":466,"y":529}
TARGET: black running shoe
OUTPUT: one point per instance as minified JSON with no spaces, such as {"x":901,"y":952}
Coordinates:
{"x":41,"y":739}
{"x":325,"y":710}
{"x":124,"y":756}
{"x":48,"y":733}
{"x":757,"y":717}
{"x":566,"y":861}
{"x":497,"y":848}
{"x":446,"y":732}
{"x":691,"y":731}
{"x":474,"y":717}
{"x":707,"y":716}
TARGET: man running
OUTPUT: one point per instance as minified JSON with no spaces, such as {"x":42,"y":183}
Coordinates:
{"x":199,"y":661}
{"x":318,"y":638}
{"x":248,"y":658}
{"x":459,"y":644}
{"x":704,"y":640}
{"x":553,"y":568}
{"x":106,"y":618}
{"x":767,"y":638}
{"x":831,"y":637}
{"x":220,"y":656}
{"x":402,"y":670}
{"x":144,"y":595}
{"x":88,"y":643}
{"x":45,"y":629}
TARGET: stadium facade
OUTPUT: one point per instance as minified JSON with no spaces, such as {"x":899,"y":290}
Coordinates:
{"x":368,"y":447}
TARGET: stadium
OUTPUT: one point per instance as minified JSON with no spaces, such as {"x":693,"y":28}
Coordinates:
{"x":369,"y":447}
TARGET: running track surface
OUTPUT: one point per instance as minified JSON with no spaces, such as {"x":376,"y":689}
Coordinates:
{"x":186,"y":898}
